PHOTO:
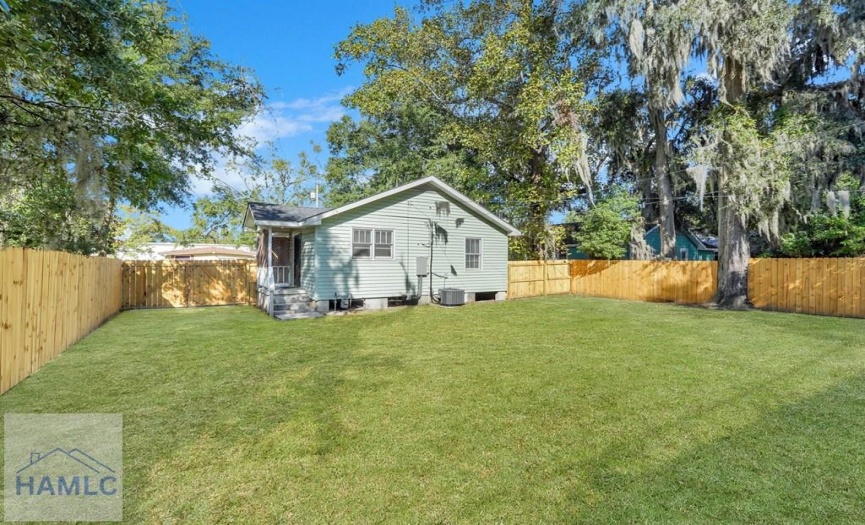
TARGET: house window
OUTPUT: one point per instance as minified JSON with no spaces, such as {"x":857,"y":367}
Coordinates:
{"x":367,"y":243}
{"x":384,"y":244}
{"x":361,"y":244}
{"x":683,"y":254}
{"x":473,"y":254}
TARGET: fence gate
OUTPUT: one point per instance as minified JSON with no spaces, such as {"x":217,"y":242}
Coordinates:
{"x":160,"y":284}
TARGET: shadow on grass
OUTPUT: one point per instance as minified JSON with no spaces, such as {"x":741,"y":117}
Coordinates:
{"x":801,"y":463}
{"x":219,"y":404}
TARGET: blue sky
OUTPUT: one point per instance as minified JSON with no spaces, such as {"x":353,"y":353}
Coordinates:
{"x":290,"y":45}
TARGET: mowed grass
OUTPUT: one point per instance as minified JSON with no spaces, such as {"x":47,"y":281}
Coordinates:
{"x":558,"y":409}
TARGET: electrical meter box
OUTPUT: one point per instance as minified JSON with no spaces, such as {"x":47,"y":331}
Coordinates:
{"x":422,"y":266}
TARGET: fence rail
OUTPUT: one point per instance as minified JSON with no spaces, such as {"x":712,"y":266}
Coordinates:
{"x":49,"y":301}
{"x":814,"y":286}
{"x":159,"y":284}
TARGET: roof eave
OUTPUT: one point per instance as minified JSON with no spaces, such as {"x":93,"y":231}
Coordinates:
{"x":436,"y":183}
{"x":280,"y":224}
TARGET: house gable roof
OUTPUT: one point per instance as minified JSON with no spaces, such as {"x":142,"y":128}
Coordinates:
{"x":294,"y":221}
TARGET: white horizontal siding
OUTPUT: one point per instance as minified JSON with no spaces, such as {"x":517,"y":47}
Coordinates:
{"x":408,"y":214}
{"x":307,"y":261}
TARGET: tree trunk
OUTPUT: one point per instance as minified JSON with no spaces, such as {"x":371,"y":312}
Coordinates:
{"x":649,"y":212}
{"x":666,"y":219}
{"x":734,"y":251}
{"x":537,"y":209}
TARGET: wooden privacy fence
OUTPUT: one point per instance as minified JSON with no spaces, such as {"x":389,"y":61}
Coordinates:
{"x":48,"y":301}
{"x":159,"y":284}
{"x":810,"y":286}
{"x":814,"y":286}
{"x":675,"y":281}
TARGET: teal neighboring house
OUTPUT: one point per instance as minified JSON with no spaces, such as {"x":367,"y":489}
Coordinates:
{"x":689,"y":247}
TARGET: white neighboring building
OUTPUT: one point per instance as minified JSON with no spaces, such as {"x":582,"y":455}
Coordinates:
{"x":169,"y":251}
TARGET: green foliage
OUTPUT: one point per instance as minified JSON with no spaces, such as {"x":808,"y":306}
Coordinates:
{"x":112,"y":101}
{"x":758,"y":162}
{"x":495,"y":93}
{"x":374,"y":154}
{"x":827,"y":235}
{"x":47,"y":213}
{"x":605,"y":229}
{"x":137,"y":228}
{"x":218,"y":218}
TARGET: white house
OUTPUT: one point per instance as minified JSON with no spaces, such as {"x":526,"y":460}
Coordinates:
{"x":403,"y":245}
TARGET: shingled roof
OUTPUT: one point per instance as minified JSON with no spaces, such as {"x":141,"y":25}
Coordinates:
{"x":266,"y":212}
{"x":262,"y":214}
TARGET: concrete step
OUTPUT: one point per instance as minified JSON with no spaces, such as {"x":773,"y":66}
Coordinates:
{"x":292,"y":307}
{"x":289,"y":291}
{"x":288,"y":316}
{"x":291,"y":299}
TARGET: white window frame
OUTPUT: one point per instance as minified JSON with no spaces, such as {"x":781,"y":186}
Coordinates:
{"x":369,"y":244}
{"x":375,"y":244}
{"x":480,"y":254}
{"x":372,"y":244}
{"x":683,"y":251}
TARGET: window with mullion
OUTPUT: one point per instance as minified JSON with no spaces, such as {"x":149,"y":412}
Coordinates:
{"x":384,"y":244}
{"x":361,"y":243}
{"x":473,"y":253}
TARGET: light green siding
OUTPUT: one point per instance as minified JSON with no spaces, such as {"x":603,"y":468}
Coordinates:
{"x":307,"y":261}
{"x":408,"y":214}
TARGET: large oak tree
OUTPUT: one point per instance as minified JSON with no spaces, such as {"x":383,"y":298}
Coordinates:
{"x":104,"y":102}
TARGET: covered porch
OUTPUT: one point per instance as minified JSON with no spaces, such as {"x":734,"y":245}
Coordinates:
{"x":285,"y":253}
{"x":279,"y":257}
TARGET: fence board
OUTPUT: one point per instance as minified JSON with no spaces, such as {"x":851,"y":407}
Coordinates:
{"x":163,"y":284}
{"x":675,"y":281}
{"x":813,"y":286}
{"x":49,"y":301}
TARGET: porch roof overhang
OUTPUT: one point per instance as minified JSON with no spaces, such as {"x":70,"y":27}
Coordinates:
{"x":266,"y":215}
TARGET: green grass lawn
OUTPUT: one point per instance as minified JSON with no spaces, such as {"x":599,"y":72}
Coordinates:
{"x":547,"y":410}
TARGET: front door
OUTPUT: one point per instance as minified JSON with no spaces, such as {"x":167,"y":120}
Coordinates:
{"x":298,"y":248}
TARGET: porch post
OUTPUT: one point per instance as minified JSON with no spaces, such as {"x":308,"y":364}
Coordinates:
{"x":291,"y":260}
{"x":270,"y":258}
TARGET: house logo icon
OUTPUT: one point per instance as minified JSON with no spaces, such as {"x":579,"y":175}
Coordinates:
{"x":62,"y":467}
{"x":61,"y":472}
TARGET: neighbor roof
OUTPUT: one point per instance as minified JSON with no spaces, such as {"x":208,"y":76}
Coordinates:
{"x":210,"y":250}
{"x":703,"y":243}
{"x":281,"y":216}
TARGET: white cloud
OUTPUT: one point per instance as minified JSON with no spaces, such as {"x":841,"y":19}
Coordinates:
{"x":279,"y":120}
{"x":270,"y":125}
{"x":287,"y":119}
